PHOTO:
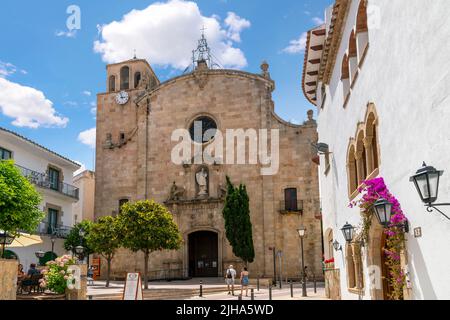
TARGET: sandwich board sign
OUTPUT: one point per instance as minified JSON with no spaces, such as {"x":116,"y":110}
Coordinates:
{"x":133,"y":287}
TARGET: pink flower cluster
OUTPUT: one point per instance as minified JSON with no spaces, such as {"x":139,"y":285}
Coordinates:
{"x":375,"y":189}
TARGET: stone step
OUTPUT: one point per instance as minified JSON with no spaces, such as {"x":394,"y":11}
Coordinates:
{"x":164,"y":294}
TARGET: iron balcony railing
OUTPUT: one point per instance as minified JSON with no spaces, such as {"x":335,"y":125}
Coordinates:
{"x":57,"y":231}
{"x":287,"y":207}
{"x":42,"y":180}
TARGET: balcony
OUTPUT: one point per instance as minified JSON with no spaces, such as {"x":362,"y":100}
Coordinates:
{"x":287,"y":207}
{"x":42,"y":180}
{"x":57,"y":231}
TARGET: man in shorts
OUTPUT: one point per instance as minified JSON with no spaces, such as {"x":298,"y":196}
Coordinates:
{"x":230,"y":277}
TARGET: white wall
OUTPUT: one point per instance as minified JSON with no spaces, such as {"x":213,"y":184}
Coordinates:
{"x":407,"y":75}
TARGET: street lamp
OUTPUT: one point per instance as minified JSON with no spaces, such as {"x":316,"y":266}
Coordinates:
{"x":6,"y":239}
{"x":426,"y":181}
{"x":337,"y":246}
{"x":348,"y":231}
{"x":79,"y":250}
{"x":383,"y":211}
{"x":301,"y":232}
{"x":39,"y":254}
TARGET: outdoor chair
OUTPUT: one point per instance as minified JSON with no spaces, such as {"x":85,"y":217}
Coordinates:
{"x":31,"y":284}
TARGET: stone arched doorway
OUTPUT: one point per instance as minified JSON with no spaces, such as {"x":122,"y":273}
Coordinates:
{"x":379,"y":275}
{"x":203,"y":254}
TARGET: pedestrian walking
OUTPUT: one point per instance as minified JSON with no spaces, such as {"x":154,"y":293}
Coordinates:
{"x":244,"y":281}
{"x":230,"y":277}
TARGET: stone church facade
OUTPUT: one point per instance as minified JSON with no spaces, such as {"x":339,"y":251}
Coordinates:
{"x":136,"y":118}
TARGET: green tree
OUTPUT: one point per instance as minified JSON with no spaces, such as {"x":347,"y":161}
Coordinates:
{"x":148,"y":227}
{"x":238,"y":225}
{"x":74,"y":239}
{"x":19,"y":201}
{"x":104,"y":238}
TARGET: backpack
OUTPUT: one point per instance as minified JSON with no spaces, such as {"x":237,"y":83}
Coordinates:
{"x":229,"y":275}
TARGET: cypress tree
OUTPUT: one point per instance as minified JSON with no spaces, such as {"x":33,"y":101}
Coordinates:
{"x":238,"y":225}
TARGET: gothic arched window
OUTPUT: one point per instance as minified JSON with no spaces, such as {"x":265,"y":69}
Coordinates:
{"x":112,"y":83}
{"x":137,"y":79}
{"x":125,"y":78}
{"x":362,"y":30}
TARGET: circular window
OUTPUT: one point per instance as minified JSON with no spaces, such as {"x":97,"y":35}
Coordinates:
{"x":203,"y":129}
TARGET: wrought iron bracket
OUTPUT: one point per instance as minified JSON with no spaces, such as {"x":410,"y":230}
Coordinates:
{"x":433,"y":207}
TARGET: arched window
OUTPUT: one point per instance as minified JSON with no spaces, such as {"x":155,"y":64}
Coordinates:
{"x":371,"y":142}
{"x":352,"y":171}
{"x":345,"y":76}
{"x":353,"y":56}
{"x":137,"y":79}
{"x":329,"y":249}
{"x":361,"y":157}
{"x":112,"y":83}
{"x":353,"y":259}
{"x":362,"y":30}
{"x":125,"y":78}
{"x":351,"y":276}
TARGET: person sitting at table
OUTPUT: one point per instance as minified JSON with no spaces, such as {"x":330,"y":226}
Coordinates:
{"x":20,"y":272}
{"x":32,"y":271}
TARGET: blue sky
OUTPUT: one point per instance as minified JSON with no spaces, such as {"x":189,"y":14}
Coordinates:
{"x":49,"y":77}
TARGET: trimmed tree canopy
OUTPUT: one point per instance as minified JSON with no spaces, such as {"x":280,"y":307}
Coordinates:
{"x":103,"y":237}
{"x":19,"y":201}
{"x":148,"y":226}
{"x":238,"y":225}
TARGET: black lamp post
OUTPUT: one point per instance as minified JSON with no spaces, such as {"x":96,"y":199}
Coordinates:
{"x":5,"y":239}
{"x":301,"y":232}
{"x":53,"y":246}
{"x":348,"y":231}
{"x":426,"y":181}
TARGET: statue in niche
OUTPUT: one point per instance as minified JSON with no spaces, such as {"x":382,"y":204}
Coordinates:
{"x":176,"y":193}
{"x":202,"y":182}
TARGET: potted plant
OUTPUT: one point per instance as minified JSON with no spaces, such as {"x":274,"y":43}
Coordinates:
{"x":57,"y":276}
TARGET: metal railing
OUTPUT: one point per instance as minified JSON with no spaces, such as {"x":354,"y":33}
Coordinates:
{"x":42,"y":180}
{"x":57,"y":231}
{"x":289,"y":207}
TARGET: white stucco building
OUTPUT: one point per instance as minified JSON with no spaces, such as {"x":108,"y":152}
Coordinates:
{"x":52,"y":174}
{"x":379,"y":73}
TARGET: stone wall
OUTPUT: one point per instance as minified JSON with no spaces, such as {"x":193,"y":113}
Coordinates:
{"x":8,"y":279}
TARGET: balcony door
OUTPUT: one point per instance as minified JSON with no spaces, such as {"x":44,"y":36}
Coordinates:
{"x":53,"y":176}
{"x":52,"y":220}
{"x":290,"y":199}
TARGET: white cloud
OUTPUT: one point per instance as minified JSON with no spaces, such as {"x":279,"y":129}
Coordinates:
{"x":28,"y":106}
{"x":165,"y":33}
{"x":297,"y":45}
{"x":235,"y":26}
{"x":318,"y":21}
{"x":7,"y":69}
{"x":88,"y":137}
{"x":71,"y":103}
{"x":67,"y":34}
{"x":87,"y":93}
